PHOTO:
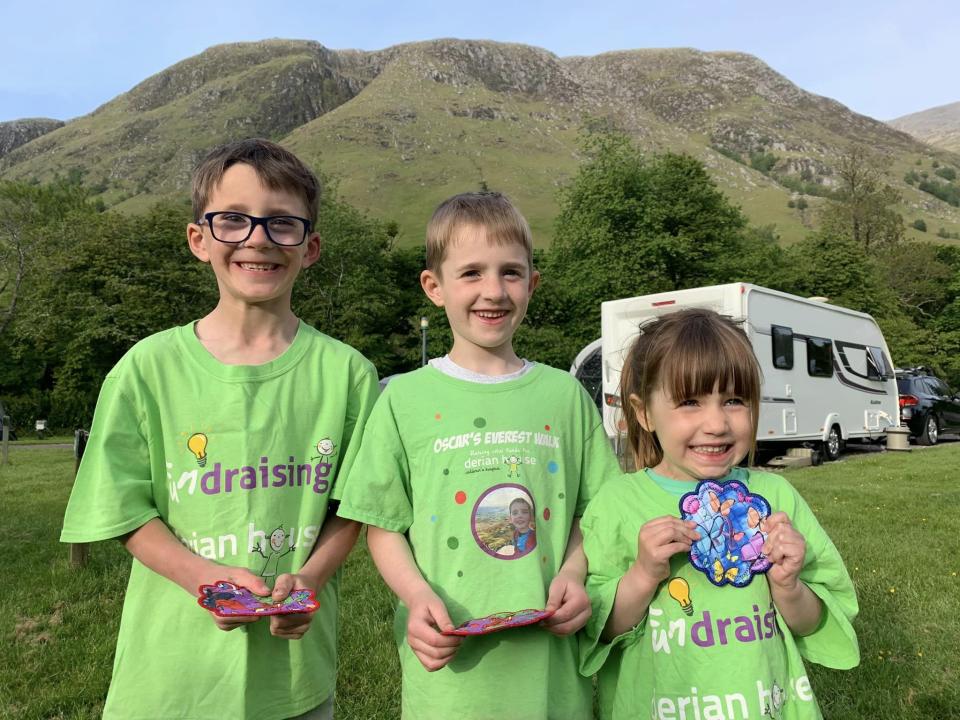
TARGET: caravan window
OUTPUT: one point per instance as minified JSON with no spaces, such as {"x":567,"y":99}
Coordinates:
{"x":819,"y":357}
{"x":782,"y":340}
{"x":878,"y":367}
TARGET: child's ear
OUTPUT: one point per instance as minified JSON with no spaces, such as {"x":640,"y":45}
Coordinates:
{"x":195,"y":242}
{"x":640,"y":412}
{"x":312,"y":253}
{"x":430,"y":282}
{"x":534,"y":281}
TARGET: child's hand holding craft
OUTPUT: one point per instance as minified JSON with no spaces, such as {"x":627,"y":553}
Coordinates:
{"x":785,"y":548}
{"x":428,"y":616}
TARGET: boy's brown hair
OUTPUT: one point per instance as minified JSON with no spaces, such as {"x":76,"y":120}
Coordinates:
{"x":277,"y":168}
{"x":686,"y":353}
{"x":493,"y":211}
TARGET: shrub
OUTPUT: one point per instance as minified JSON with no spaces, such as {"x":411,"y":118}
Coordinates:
{"x":920,"y":225}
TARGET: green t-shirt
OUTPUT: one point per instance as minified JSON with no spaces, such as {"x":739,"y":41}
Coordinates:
{"x":239,"y":462}
{"x":731,"y":656}
{"x":445,"y":461}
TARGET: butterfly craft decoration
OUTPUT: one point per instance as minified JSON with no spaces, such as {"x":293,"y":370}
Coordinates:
{"x":731,"y":521}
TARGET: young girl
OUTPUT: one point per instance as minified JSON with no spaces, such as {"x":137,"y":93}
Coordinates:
{"x":726,"y":640}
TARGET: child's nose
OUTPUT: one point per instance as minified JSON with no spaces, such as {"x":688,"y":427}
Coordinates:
{"x":494,"y":288}
{"x":715,"y":419}
{"x":258,"y":238}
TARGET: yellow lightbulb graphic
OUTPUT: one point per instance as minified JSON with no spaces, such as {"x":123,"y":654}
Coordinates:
{"x":680,"y":591}
{"x":197,"y":444}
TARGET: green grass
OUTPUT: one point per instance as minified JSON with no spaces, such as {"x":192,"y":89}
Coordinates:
{"x":894,"y":517}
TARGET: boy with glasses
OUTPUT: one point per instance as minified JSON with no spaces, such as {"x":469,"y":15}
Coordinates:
{"x":212,"y":455}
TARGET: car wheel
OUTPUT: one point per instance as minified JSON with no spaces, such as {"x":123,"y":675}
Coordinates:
{"x":833,"y":445}
{"x":931,"y":431}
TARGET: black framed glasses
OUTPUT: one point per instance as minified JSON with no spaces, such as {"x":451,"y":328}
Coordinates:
{"x":232,"y":227}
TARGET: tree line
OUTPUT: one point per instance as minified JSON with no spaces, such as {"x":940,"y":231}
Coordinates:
{"x":80,"y":284}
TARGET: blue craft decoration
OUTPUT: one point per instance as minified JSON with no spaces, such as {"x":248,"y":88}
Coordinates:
{"x":730,"y":520}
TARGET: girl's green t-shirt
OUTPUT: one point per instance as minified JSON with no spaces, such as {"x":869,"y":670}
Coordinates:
{"x":728,"y":655}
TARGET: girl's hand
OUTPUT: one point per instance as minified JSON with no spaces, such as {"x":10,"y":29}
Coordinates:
{"x":785,"y":548}
{"x":428,"y":615}
{"x":569,"y":600}
{"x":658,"y":541}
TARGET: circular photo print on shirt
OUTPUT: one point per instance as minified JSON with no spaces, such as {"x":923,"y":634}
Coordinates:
{"x":504,"y":521}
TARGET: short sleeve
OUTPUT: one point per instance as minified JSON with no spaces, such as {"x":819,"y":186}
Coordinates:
{"x":360,"y":403}
{"x":599,"y":463}
{"x":609,"y":553}
{"x":834,"y":642}
{"x":113,"y":491}
{"x":375,"y":488}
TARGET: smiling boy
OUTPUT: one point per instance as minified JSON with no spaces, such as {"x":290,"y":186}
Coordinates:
{"x":442,"y":449}
{"x":200,"y":460}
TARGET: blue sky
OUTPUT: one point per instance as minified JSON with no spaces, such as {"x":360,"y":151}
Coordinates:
{"x":883,"y":58}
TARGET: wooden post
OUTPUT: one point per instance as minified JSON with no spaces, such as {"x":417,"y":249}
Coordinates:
{"x":79,"y":552}
{"x":5,"y":441}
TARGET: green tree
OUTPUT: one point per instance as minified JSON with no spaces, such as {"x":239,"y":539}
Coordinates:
{"x":630,"y":225}
{"x":862,"y":207}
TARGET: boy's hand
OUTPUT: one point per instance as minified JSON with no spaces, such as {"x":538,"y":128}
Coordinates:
{"x":658,"y":541}
{"x":238,"y":576}
{"x":294,"y":625}
{"x":785,"y":547}
{"x":428,"y":615}
{"x":571,"y":604}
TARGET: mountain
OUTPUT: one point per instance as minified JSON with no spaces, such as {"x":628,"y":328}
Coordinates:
{"x":15,"y":133}
{"x":397,"y":130}
{"x":937,"y":126}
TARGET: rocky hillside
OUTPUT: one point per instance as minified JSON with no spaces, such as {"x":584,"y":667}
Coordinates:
{"x":15,"y":133}
{"x":401,"y":128}
{"x":938,"y":126}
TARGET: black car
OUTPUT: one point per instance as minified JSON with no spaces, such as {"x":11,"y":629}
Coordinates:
{"x":927,"y":405}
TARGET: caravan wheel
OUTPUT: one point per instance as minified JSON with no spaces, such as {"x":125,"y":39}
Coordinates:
{"x":833,"y":445}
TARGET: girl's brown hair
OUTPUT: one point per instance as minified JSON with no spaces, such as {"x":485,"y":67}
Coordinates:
{"x":687,"y":353}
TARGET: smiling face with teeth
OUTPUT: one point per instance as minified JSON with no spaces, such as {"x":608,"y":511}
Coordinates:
{"x":484,"y":287}
{"x":257,"y":271}
{"x":701,"y":437}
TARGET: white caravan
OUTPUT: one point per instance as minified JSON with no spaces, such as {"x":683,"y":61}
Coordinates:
{"x":827,"y":375}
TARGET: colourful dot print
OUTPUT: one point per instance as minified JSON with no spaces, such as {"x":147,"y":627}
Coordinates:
{"x":433,"y":518}
{"x":459,"y":573}
{"x":480,"y":422}
{"x":547,"y":428}
{"x":453,"y":543}
{"x":561,"y":496}
{"x":546,"y":513}
{"x":437,"y":416}
{"x":460,"y":497}
{"x":552,"y":466}
{"x":446,"y":471}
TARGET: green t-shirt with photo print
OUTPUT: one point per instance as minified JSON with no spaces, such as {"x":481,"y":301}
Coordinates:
{"x":703,"y":650}
{"x":239,"y":462}
{"x":485,"y":480}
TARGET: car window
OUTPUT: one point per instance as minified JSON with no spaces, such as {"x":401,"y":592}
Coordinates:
{"x":590,"y":373}
{"x":903,"y":386}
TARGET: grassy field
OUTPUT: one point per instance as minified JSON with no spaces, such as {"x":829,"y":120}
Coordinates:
{"x":894,"y":517}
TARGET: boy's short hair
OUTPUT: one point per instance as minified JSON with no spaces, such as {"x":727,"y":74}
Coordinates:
{"x":277,"y":168}
{"x":492,"y":211}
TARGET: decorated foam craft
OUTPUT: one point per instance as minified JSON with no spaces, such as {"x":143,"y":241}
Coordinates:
{"x":228,"y":600}
{"x":499,"y":621}
{"x":731,"y":521}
